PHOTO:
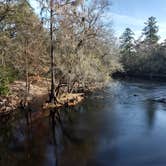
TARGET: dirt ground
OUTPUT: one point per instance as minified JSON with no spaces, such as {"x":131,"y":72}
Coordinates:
{"x":37,"y":98}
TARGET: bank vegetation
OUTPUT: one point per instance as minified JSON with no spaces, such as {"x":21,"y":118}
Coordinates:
{"x":69,"y":45}
{"x":145,"y":56}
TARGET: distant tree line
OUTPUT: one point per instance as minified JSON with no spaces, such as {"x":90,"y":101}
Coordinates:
{"x":144,"y":56}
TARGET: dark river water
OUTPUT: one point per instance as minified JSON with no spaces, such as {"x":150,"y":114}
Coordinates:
{"x":122,"y":125}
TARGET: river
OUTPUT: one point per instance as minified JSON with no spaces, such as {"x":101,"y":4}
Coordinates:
{"x":121,"y":125}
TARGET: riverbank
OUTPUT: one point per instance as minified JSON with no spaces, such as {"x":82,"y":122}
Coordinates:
{"x":37,"y":100}
{"x":38,"y":97}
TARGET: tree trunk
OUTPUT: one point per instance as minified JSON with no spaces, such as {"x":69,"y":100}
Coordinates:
{"x":52,"y":93}
{"x":27,"y":70}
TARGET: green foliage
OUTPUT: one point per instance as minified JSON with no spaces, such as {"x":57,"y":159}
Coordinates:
{"x":150,"y":30}
{"x":4,"y":81}
{"x":127,"y":48}
{"x":127,"y":40}
{"x":7,"y":76}
{"x":144,"y":57}
{"x":84,"y":48}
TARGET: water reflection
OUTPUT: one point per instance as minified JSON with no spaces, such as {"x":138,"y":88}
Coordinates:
{"x":108,"y":129}
{"x":151,"y":108}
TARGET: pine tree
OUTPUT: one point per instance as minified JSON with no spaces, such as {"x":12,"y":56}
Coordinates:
{"x":127,"y":41}
{"x":127,"y":47}
{"x":150,"y":31}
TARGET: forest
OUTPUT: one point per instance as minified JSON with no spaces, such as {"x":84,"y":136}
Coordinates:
{"x":69,"y":47}
{"x":146,"y":55}
{"x":78,"y":90}
{"x":68,"y":43}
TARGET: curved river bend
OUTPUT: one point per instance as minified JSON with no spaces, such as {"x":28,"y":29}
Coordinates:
{"x":122,"y":125}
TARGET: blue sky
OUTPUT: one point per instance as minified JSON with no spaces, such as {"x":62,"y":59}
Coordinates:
{"x":133,"y":14}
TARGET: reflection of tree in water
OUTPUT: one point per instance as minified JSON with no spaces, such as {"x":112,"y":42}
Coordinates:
{"x":150,"y":112}
{"x":70,"y":133}
{"x":80,"y":137}
{"x":6,"y":136}
{"x":22,"y":145}
{"x":61,"y":136}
